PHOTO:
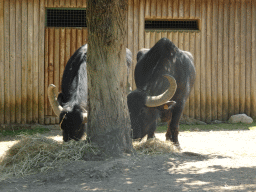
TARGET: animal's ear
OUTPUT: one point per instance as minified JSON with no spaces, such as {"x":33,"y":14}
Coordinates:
{"x":167,"y":106}
{"x":141,"y":52}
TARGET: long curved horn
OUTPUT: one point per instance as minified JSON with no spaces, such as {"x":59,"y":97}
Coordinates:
{"x":52,"y":95}
{"x":154,"y":101}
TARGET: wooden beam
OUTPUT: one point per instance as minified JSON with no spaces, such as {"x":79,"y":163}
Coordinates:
{"x":30,"y":60}
{"x":225,"y":67}
{"x":203,"y":62}
{"x":12,"y":61}
{"x":35,"y":64}
{"x":253,"y":73}
{"x":248,"y":59}
{"x":243,"y":34}
{"x":220,"y":60}
{"x":18,"y":36}
{"x":41,"y":62}
{"x":24,"y":61}
{"x":2,"y":99}
{"x":214,"y":56}
{"x":231,"y":57}
{"x":7,"y":61}
{"x":208,"y":62}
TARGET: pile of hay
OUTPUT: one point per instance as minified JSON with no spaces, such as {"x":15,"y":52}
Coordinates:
{"x":154,"y":146}
{"x":36,"y":153}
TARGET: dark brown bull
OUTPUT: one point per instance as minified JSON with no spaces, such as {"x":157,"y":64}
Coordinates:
{"x":164,"y":76}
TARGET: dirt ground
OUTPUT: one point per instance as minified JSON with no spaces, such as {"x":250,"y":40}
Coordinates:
{"x":209,"y":161}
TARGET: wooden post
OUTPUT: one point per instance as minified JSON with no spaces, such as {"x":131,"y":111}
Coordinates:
{"x":220,"y":61}
{"x":7,"y":61}
{"x":67,"y":46}
{"x":41,"y":63}
{"x":135,"y":33}
{"x":85,"y":36}
{"x":186,"y":9}
{"x":237,"y":57}
{"x":73,"y":41}
{"x":192,"y":94}
{"x":248,"y":60}
{"x":67,"y":3}
{"x":12,"y":61}
{"x":46,"y":71}
{"x":159,"y":9}
{"x":2,"y":99}
{"x":225,"y":90}
{"x":243,"y":34}
{"x":62,"y":54}
{"x":50,"y":62}
{"x":231,"y":58}
{"x":214,"y":56}
{"x":147,"y":8}
{"x":24,"y":61}
{"x":73,"y":3}
{"x":175,"y":9}
{"x":147,"y":40}
{"x":18,"y":81}
{"x":184,"y":45}
{"x":56,"y":3}
{"x":141,"y":24}
{"x":203,"y":62}
{"x":181,"y":9}
{"x":164,"y":9}
{"x":197,"y":61}
{"x":79,"y":38}
{"x":30,"y":60}
{"x":56,"y":61}
{"x":130,"y":41}
{"x":153,"y":13}
{"x":253,"y":74}
{"x":170,"y":9}
{"x":35,"y":69}
{"x":208,"y":62}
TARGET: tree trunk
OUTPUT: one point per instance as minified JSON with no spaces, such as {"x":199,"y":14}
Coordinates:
{"x":109,"y":120}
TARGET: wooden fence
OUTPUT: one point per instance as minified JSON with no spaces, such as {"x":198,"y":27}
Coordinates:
{"x":224,"y":50}
{"x":60,"y":44}
{"x":33,"y":56}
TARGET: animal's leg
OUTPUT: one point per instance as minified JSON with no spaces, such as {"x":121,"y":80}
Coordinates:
{"x":173,"y":126}
{"x":151,"y":132}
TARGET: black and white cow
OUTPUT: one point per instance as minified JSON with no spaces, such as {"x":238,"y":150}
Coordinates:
{"x":164,"y":76}
{"x":71,"y":104}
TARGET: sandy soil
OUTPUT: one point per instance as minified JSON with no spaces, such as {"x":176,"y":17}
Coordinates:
{"x":209,"y":161}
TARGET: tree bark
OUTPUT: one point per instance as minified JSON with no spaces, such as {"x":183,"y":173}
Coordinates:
{"x":109,"y":120}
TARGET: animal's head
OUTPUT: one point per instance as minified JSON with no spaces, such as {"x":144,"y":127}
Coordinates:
{"x":71,"y":123}
{"x":72,"y":120}
{"x":144,"y":109}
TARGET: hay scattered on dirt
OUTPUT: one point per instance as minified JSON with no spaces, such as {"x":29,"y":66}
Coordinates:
{"x":154,"y":146}
{"x":37,"y":153}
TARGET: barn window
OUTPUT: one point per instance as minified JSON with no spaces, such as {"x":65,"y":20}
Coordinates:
{"x":65,"y":17}
{"x":172,"y":24}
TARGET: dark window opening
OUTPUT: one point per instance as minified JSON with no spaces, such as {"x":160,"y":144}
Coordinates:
{"x":172,"y":25}
{"x":66,"y":18}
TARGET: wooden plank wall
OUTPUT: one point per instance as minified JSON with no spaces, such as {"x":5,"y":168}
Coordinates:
{"x":26,"y":67}
{"x":60,"y":44}
{"x":21,"y":61}
{"x":32,"y":56}
{"x":224,"y":51}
